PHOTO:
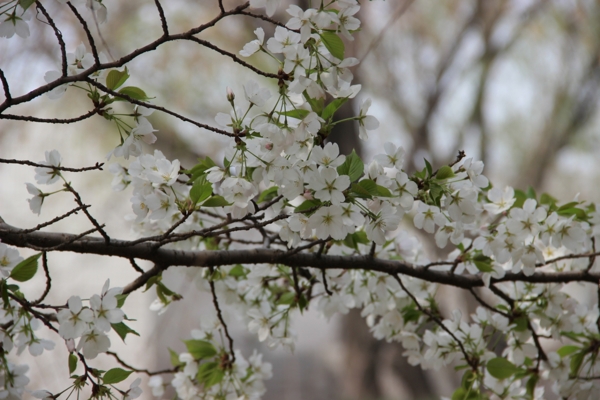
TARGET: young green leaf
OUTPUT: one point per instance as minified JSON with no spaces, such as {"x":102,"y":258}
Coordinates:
{"x":115,"y":79}
{"x":200,"y":191}
{"x":333,"y":107}
{"x":353,"y":167}
{"x":115,"y":375}
{"x":134,"y":92}
{"x":268,"y":194}
{"x":444,"y":173}
{"x":298,"y":113}
{"x":122,"y":330}
{"x":210,"y":374}
{"x":334,"y":44}
{"x":567,"y":350}
{"x":72,"y":362}
{"x":200,"y":349}
{"x":307,"y":205}
{"x":501,"y":368}
{"x":215,"y":201}
{"x":26,"y":269}
{"x":25,"y":4}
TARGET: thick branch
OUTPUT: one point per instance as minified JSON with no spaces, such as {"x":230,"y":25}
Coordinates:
{"x":167,"y":257}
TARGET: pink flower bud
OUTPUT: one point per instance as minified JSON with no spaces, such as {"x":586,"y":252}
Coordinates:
{"x":307,"y":195}
{"x":230,"y":95}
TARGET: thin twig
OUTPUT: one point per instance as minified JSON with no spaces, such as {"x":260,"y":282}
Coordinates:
{"x":87,"y":32}
{"x":220,"y":315}
{"x":48,"y":280}
{"x":141,"y":370}
{"x":98,"y":166}
{"x":59,"y":38}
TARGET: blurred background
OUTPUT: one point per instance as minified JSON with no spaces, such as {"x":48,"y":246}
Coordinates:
{"x":514,"y":83}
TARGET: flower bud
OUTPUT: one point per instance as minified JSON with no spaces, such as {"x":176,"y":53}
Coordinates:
{"x":230,"y":95}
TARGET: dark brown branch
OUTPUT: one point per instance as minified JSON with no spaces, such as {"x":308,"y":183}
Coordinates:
{"x":48,"y":280}
{"x":5,"y":86}
{"x":140,"y":370}
{"x":231,"y":55}
{"x":51,"y":120}
{"x":98,"y":166}
{"x":159,"y":108}
{"x":87,"y":32}
{"x":87,"y":213}
{"x":167,"y":257}
{"x":220,"y":315}
{"x":58,"y":34}
{"x":52,"y":221}
{"x":163,"y":18}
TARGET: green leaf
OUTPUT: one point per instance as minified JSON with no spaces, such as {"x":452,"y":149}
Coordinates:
{"x":429,"y":168}
{"x":237,"y":271}
{"x":210,"y":374}
{"x":436,"y":191}
{"x":134,"y":92}
{"x":316,"y":104}
{"x":545,"y":198}
{"x":333,"y":107}
{"x":287,"y":298}
{"x":72,"y":362}
{"x":115,"y":375}
{"x":576,"y":362}
{"x":334,"y":44}
{"x":297,"y":113}
{"x":151,"y":282}
{"x":382,"y":191}
{"x":121,"y":299}
{"x":353,"y":167}
{"x":215,"y":201}
{"x":368,"y":188}
{"x":531,"y":384}
{"x":122,"y":330}
{"x":26,"y":269}
{"x":520,"y":197}
{"x":577,"y":212}
{"x":174,"y":357}
{"x":567,"y":350}
{"x":501,"y":368}
{"x":483,"y":263}
{"x":531,"y":193}
{"x":200,"y":349}
{"x":307,"y":205}
{"x":363,"y":188}
{"x":521,"y":323}
{"x":444,"y":173}
{"x":200,"y":191}
{"x":268,"y":194}
{"x":26,"y":3}
{"x":115,"y":79}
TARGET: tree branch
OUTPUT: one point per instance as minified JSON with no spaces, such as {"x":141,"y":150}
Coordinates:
{"x":168,"y":257}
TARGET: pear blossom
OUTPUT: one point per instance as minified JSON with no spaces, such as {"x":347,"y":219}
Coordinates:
{"x":270,"y":5}
{"x":49,"y":175}
{"x":74,"y":320}
{"x":93,"y":342}
{"x":255,"y":45}
{"x":328,"y":221}
{"x":328,"y":185}
{"x":9,"y":258}
{"x":366,"y":122}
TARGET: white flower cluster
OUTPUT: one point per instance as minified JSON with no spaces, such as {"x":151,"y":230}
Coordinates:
{"x":323,"y":195}
{"x":91,"y":324}
{"x":204,"y":365}
{"x":282,"y":179}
